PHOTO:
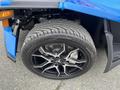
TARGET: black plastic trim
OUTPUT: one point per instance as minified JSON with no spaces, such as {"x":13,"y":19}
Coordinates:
{"x":113,"y":56}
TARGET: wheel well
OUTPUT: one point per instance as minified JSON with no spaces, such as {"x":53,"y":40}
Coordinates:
{"x":30,"y":17}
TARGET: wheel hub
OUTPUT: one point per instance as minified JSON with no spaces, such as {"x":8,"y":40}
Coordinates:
{"x":58,"y":60}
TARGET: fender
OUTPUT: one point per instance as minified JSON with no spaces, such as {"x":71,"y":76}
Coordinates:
{"x":10,"y":43}
{"x":10,"y":40}
{"x":108,"y":9}
{"x":5,"y":2}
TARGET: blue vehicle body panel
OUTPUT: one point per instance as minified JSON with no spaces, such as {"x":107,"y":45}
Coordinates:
{"x":10,"y":43}
{"x":9,"y":38}
{"x":5,"y":2}
{"x":109,"y":9}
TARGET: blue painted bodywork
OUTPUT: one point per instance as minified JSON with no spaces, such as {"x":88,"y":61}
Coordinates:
{"x":9,"y":39}
{"x":5,"y":2}
{"x":109,"y":9}
{"x":10,"y":43}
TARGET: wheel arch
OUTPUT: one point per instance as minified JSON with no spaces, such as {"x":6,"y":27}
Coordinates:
{"x":88,"y":23}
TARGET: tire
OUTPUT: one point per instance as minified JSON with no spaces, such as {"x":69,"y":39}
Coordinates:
{"x":58,"y":35}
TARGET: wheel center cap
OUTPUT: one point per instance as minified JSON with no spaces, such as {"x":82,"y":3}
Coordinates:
{"x":58,"y":60}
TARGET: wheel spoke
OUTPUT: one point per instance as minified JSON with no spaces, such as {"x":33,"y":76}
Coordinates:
{"x":47,"y":59}
{"x":74,"y":66}
{"x":65,"y":71}
{"x":41,"y":65}
{"x":81,"y":61}
{"x":47,"y":53}
{"x":62,"y":51}
{"x":58,"y":71}
{"x":51,"y":67}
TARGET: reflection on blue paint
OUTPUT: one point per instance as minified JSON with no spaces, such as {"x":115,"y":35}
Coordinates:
{"x":10,"y":42}
{"x":5,"y":2}
{"x":109,"y":9}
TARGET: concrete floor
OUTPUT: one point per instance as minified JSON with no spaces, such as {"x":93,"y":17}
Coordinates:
{"x":15,"y":76}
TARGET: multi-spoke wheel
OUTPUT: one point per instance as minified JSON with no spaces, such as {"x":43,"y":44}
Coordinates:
{"x":59,"y":50}
{"x":59,"y":59}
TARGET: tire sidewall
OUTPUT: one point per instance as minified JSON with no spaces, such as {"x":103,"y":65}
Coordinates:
{"x":29,"y":47}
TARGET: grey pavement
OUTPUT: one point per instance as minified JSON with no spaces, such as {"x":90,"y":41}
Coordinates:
{"x":15,"y":76}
